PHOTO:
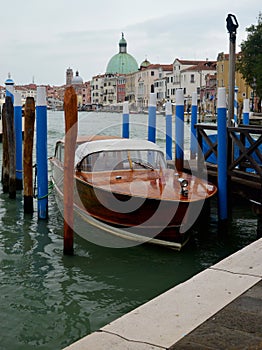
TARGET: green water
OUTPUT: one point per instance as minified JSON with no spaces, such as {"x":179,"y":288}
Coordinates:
{"x":48,"y":300}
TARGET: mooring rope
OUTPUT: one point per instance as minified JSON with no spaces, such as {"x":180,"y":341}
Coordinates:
{"x":50,"y":186}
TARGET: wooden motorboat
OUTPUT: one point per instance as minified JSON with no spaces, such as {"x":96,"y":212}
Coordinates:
{"x":125,"y":183}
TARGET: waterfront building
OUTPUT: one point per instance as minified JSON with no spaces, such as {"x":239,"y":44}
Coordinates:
{"x":77,"y":83}
{"x":110,"y":88}
{"x":109,"y":94}
{"x":151,"y":78}
{"x":244,"y":91}
{"x":160,"y":84}
{"x":122,"y":62}
{"x":86,"y":93}
{"x":69,"y":76}
{"x":189,"y":75}
{"x":28,"y":90}
{"x":97,"y":89}
{"x":210,"y":93}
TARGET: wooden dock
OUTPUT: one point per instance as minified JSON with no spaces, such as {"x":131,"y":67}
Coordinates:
{"x":244,"y":159}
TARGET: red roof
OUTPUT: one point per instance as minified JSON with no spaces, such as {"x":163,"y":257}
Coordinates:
{"x":202,"y":65}
{"x":165,"y":67}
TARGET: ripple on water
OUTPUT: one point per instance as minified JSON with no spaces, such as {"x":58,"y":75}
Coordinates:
{"x":48,"y":300}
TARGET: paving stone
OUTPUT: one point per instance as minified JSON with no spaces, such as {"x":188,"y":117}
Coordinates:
{"x":240,"y":321}
{"x":255,"y":292}
{"x":248,"y":304}
{"x":219,"y":338}
{"x":236,"y":327}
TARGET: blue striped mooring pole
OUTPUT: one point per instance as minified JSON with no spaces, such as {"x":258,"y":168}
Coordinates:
{"x":235,"y":104}
{"x":222,"y":154}
{"x":246,"y":111}
{"x":125,"y":122}
{"x":18,"y":139}
{"x":179,"y":134}
{"x":193,"y":136}
{"x":168,"y":130}
{"x":9,"y":87}
{"x":152,"y":117}
{"x":41,"y":153}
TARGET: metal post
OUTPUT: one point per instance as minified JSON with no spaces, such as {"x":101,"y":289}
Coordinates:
{"x":232,"y":26}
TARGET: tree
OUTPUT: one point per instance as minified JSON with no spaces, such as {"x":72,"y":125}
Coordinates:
{"x":250,"y":59}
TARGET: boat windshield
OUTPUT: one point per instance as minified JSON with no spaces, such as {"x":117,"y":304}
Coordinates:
{"x":123,"y":159}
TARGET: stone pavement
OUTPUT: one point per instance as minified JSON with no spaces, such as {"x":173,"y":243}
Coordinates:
{"x":237,"y":326}
{"x":219,"y":308}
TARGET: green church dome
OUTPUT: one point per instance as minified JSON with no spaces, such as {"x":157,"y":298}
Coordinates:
{"x":122,"y":62}
{"x":145,"y":64}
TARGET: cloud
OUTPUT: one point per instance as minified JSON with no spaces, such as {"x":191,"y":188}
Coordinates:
{"x":46,"y":38}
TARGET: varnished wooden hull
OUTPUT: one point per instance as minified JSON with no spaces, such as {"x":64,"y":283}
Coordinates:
{"x":163,"y":214}
{"x":152,"y":218}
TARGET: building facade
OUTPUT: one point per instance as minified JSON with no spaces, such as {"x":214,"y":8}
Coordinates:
{"x":244,"y":91}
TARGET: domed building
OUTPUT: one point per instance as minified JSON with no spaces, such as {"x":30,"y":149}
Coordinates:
{"x":122,"y":62}
{"x":77,"y":83}
{"x":77,"y":80}
{"x":144,"y":64}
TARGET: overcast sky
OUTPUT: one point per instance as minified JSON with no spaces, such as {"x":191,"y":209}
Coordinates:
{"x":41,"y":39}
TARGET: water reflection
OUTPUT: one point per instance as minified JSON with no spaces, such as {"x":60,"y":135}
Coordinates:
{"x":49,"y":300}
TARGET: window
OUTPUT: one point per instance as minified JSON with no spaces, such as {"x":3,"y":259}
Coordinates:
{"x":192,"y":78}
{"x":120,"y":160}
{"x":152,"y":73}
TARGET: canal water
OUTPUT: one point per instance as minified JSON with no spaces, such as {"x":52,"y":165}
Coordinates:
{"x":48,"y":300}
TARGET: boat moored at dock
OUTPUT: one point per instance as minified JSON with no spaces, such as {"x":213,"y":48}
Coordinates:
{"x":125,"y":184}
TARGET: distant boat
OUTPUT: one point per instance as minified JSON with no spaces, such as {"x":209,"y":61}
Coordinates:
{"x":125,"y":183}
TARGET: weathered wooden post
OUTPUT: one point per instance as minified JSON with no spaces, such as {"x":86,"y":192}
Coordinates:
{"x":169,"y":130}
{"x":18,"y":139}
{"x":70,"y":108}
{"x":125,"y":122}
{"x":179,"y":134}
{"x":29,"y":124}
{"x":10,"y":144}
{"x":41,"y":153}
{"x":152,"y":117}
{"x":5,"y":163}
{"x":7,"y":113}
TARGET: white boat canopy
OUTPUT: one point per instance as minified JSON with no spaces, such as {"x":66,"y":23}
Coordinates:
{"x":87,"y":148}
